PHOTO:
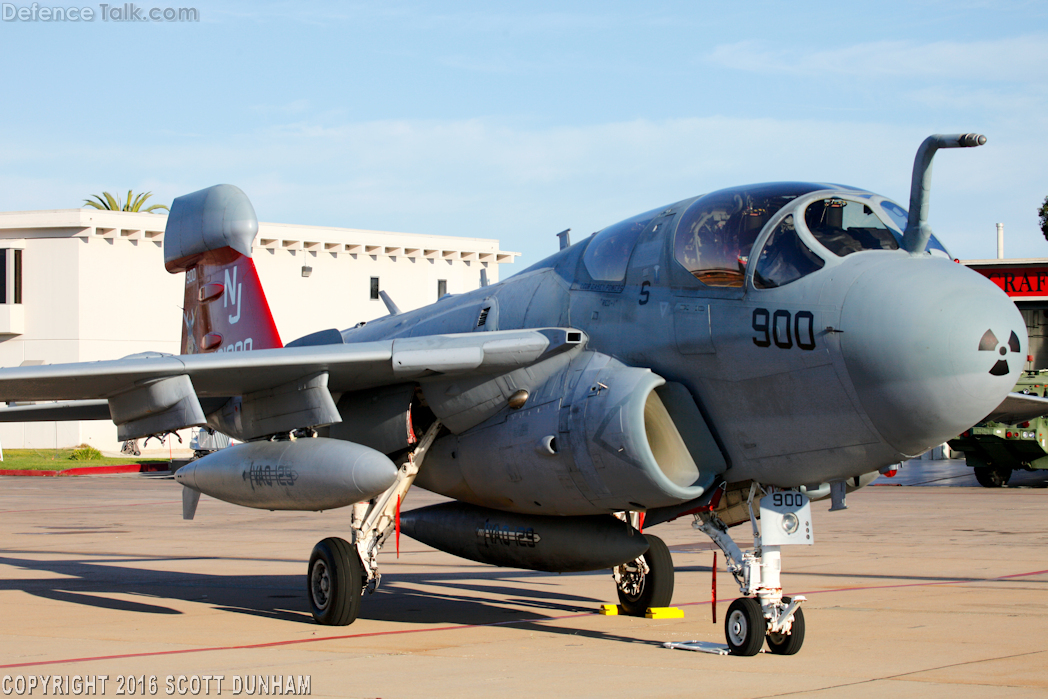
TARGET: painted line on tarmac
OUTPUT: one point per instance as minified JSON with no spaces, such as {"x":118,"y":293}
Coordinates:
{"x":927,"y":584}
{"x":457,"y":627}
{"x":893,"y":587}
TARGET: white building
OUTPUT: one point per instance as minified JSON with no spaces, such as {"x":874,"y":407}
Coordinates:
{"x":82,"y":285}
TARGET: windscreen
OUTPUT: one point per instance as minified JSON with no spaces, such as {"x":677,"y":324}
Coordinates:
{"x":844,"y":227}
{"x":784,"y":258}
{"x":899,"y":216}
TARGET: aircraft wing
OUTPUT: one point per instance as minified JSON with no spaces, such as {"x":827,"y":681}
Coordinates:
{"x":50,"y":412}
{"x":1018,"y":407}
{"x":350,"y":367}
{"x":62,"y":411}
{"x":155,"y":392}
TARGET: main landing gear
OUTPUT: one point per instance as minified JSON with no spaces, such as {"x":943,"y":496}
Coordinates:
{"x":339,"y":572}
{"x":647,"y":581}
{"x":763,"y":614}
{"x":336,"y":581}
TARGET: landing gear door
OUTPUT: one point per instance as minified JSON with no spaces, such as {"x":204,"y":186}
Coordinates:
{"x":786,"y":519}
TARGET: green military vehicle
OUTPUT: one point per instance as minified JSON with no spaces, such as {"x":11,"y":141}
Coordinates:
{"x":995,"y":449}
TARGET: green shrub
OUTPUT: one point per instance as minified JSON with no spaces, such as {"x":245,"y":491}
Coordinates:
{"x":85,"y":452}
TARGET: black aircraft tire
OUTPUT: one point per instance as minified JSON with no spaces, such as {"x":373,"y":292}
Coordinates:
{"x":788,"y":644}
{"x":992,"y":476}
{"x":744,"y":627}
{"x":655,"y":589}
{"x":334,"y":582}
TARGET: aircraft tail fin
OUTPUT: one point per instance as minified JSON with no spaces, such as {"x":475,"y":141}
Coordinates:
{"x":208,"y":236}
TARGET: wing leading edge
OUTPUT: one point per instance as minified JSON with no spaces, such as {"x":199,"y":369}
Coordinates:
{"x":152,"y":393}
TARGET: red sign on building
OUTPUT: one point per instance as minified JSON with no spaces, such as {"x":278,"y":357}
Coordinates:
{"x":1019,"y":282}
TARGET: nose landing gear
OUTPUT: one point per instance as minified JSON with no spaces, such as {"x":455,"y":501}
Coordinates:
{"x":763,"y":614}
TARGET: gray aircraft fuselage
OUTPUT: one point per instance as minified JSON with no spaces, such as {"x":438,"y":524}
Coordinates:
{"x":815,"y":349}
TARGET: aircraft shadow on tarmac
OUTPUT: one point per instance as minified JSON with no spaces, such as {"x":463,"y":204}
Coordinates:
{"x":488,"y":595}
{"x":94,"y":583}
{"x":484,"y":596}
{"x":104,"y":581}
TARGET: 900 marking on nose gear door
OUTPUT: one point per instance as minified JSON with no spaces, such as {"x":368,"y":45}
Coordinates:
{"x":783,"y":329}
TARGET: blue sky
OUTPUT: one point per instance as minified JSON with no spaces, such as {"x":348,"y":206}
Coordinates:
{"x":517,"y":120}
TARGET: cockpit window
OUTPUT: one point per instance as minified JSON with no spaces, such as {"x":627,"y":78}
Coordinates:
{"x":608,"y":254}
{"x":899,"y":216}
{"x":716,"y":233}
{"x":844,"y":227}
{"x":784,"y":258}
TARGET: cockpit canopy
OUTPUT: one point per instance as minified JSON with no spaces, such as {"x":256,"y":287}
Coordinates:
{"x":784,"y":258}
{"x":839,"y":225}
{"x":715,"y":234}
{"x":608,"y":254}
{"x":844,"y":227}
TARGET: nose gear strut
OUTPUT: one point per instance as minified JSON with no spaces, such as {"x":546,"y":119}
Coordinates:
{"x":763,"y":612}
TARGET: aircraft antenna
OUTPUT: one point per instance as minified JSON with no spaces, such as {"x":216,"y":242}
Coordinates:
{"x":915,"y":238}
{"x":565,"y":238}
{"x":390,"y":306}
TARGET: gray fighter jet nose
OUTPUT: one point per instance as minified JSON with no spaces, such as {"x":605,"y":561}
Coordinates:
{"x":931,"y":347}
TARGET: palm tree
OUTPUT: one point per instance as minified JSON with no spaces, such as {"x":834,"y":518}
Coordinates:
{"x":110,"y":203}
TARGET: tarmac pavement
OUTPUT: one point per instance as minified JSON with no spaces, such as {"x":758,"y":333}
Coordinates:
{"x":913,"y":591}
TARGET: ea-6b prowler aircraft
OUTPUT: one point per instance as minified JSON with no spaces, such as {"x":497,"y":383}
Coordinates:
{"x":726,"y":357}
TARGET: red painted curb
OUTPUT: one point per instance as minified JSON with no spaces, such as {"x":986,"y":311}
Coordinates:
{"x":115,"y":468}
{"x":91,"y":470}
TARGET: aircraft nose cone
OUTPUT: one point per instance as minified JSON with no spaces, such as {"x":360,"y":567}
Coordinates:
{"x":931,"y":347}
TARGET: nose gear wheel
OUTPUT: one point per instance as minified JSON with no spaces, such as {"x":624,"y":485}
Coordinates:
{"x":744,"y":627}
{"x":788,"y":643}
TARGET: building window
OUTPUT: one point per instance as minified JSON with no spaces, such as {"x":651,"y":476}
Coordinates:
{"x":442,"y":287}
{"x":374,"y":288}
{"x":18,"y":276}
{"x":10,"y":267}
